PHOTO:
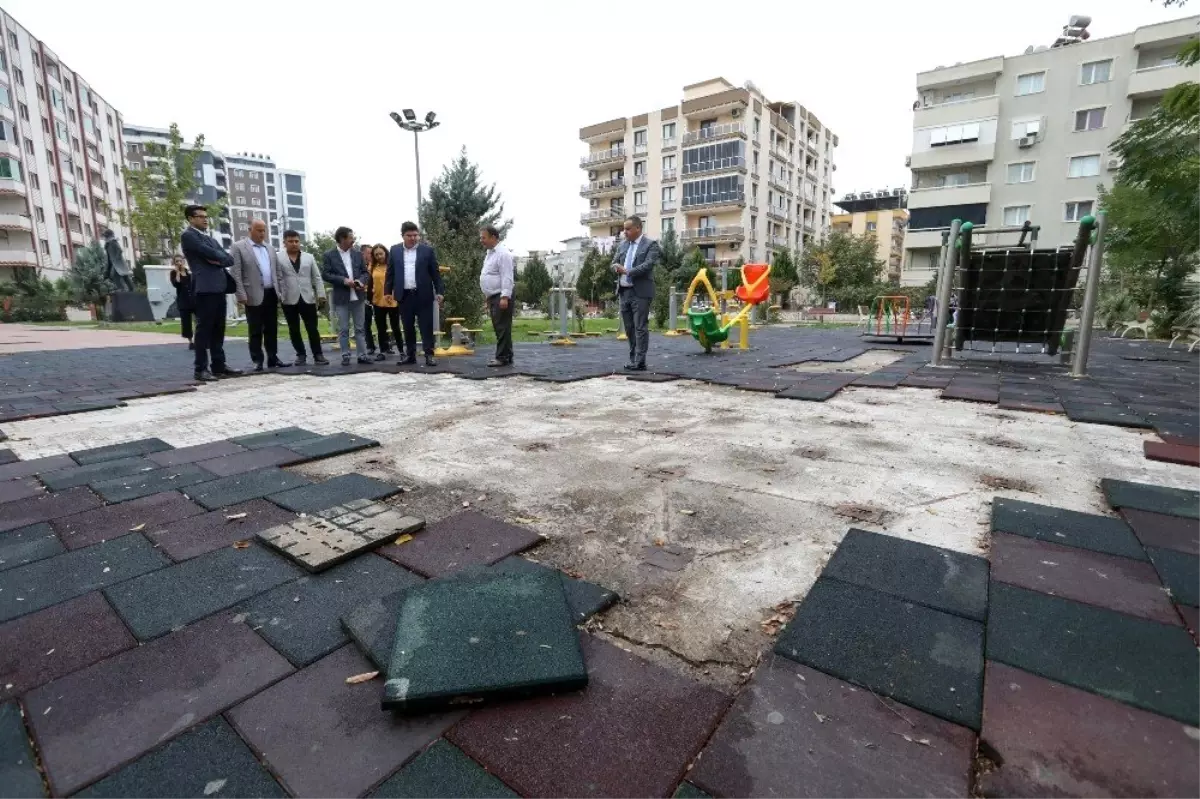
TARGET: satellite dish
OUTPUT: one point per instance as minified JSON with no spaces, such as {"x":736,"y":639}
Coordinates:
{"x":1029,"y":49}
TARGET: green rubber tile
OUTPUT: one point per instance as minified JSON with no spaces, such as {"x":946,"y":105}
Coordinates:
{"x":72,"y":476}
{"x":1139,"y":662}
{"x":334,"y":491}
{"x":688,"y":791}
{"x":28,"y":544}
{"x":226,"y":491}
{"x":112,"y":452}
{"x":931,"y":576}
{"x":1065,"y":527}
{"x":1180,"y":572}
{"x":1157,"y":499}
{"x":922,"y":657}
{"x":482,"y":637}
{"x":442,"y":772}
{"x":372,"y":625}
{"x":585,"y":599}
{"x":275,"y":438}
{"x":329,"y":446}
{"x":144,"y":484}
{"x":19,"y":775}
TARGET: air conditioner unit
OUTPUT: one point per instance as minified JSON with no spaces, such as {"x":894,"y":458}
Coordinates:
{"x":737,"y":112}
{"x":1025,"y":142}
{"x":908,"y":160}
{"x":593,"y":203}
{"x":591,"y":174}
{"x":1114,"y":164}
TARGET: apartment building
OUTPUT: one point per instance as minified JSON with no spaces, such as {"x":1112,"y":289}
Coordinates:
{"x":1004,"y":140}
{"x":881,"y":213}
{"x":730,"y":171}
{"x":60,"y":159}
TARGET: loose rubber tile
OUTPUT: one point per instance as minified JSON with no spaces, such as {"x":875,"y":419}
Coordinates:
{"x":207,"y":760}
{"x":631,"y":733}
{"x":12,"y":490}
{"x":925,"y":658}
{"x":1141,"y":663}
{"x":27,"y":545}
{"x":51,"y":643}
{"x":1121,"y":584}
{"x":1033,"y":406}
{"x":1055,"y":740}
{"x":113,"y":521}
{"x":302,"y":619}
{"x":1180,"y":572}
{"x":1156,"y":499}
{"x":458,"y":541}
{"x":1065,"y":527}
{"x":275,"y":438}
{"x":7,"y":456}
{"x":51,"y":463}
{"x":442,"y":772}
{"x":93,"y":472}
{"x":144,"y":484}
{"x":372,"y":626}
{"x":98,"y":719}
{"x":1172,"y":453}
{"x":45,"y":507}
{"x":19,"y":775}
{"x":112,"y":452}
{"x":1169,"y":532}
{"x":795,"y":731}
{"x":931,"y":576}
{"x":27,"y":589}
{"x":195,"y":454}
{"x":329,"y":446}
{"x":159,"y":602}
{"x":688,"y":791}
{"x":251,"y":460}
{"x":226,"y":491}
{"x":315,"y":710}
{"x":334,"y":491}
{"x":186,"y":538}
{"x":585,"y":599}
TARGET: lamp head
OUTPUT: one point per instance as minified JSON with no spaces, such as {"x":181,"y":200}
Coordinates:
{"x":429,"y":118}
{"x":410,"y":115}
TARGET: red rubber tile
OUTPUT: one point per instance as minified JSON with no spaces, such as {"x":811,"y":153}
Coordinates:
{"x":45,"y":507}
{"x":1055,"y":740}
{"x":114,"y":521}
{"x":632,"y":732}
{"x":1160,"y":530}
{"x":12,"y":490}
{"x":196,"y":535}
{"x":1186,"y":455}
{"x":462,"y":540}
{"x":1191,"y":620}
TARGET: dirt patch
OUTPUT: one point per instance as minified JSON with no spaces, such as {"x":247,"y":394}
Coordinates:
{"x":812,"y":453}
{"x":1001,"y":441}
{"x":534,"y":446}
{"x":864,"y":513}
{"x":869,"y":361}
{"x":999,"y":483}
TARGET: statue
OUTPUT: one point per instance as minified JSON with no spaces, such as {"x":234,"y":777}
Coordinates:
{"x":119,"y":271}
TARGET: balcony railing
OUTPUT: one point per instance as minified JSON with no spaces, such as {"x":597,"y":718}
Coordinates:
{"x":779,"y":214}
{"x":15,"y":222}
{"x":641,"y":210}
{"x":18,"y":258}
{"x":641,"y":180}
{"x":598,"y":187}
{"x":721,"y":233}
{"x":715,"y":199}
{"x":670,"y":144}
{"x":669,"y":174}
{"x":778,"y":182}
{"x":641,"y":149}
{"x":715,"y":132}
{"x":777,"y":241}
{"x":603,"y":157}
{"x":716,"y":165}
{"x":670,"y":205}
{"x":597,"y":216}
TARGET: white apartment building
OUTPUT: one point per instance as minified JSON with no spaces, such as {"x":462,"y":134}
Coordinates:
{"x":730,"y":171}
{"x":60,"y":159}
{"x":1007,"y":139}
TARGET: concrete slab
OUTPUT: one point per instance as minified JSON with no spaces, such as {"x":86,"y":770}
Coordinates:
{"x":19,"y":775}
{"x":73,"y":476}
{"x":144,"y":484}
{"x":1060,"y":526}
{"x":334,"y":491}
{"x":1169,"y":532}
{"x":279,"y":437}
{"x":317,"y":544}
{"x":442,"y":772}
{"x":16,"y":338}
{"x":113,"y":521}
{"x":459,"y":541}
{"x":1154,"y":498}
{"x":196,"y":535}
{"x":112,"y":452}
{"x":251,"y":460}
{"x":27,"y":545}
{"x":11,"y":490}
{"x":1180,"y":572}
{"x":195,"y":454}
{"x":226,"y":491}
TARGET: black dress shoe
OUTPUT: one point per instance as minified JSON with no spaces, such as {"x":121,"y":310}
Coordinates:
{"x":641,"y":367}
{"x":321,"y":359}
{"x":430,"y":360}
{"x":366,"y":360}
{"x":630,"y":367}
{"x":410,"y":360}
{"x":226,"y":371}
{"x":206,"y":377}
{"x":278,"y":364}
{"x":301,"y":360}
{"x":191,"y":345}
{"x":497,"y":362}
{"x":380,"y":357}
{"x":258,"y":367}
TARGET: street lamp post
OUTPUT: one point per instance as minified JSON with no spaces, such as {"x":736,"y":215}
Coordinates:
{"x":410,"y":122}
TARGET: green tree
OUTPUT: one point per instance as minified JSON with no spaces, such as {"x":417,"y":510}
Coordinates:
{"x":317,"y":244}
{"x":842,"y":266}
{"x":596,"y":283}
{"x":783,"y":273}
{"x":87,"y":275}
{"x":535,"y":281}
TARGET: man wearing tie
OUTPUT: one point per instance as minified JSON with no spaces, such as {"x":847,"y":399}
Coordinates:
{"x":343,"y":269}
{"x":634,"y":263}
{"x":210,"y":283}
{"x":256,"y":273}
{"x":414,"y":280}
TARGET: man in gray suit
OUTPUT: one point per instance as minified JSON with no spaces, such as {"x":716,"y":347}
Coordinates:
{"x":256,"y":272}
{"x":634,"y":263}
{"x":301,"y":289}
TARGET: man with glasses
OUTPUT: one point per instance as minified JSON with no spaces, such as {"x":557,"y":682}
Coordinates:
{"x":210,"y":283}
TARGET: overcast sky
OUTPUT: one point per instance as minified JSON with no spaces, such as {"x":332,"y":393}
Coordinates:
{"x":312,"y":83}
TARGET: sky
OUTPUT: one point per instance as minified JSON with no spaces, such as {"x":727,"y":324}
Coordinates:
{"x":312,"y":83}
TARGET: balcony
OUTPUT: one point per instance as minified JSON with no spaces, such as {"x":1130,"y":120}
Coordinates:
{"x":601,"y":157}
{"x":712,"y":235}
{"x":670,"y":144}
{"x":777,"y":241}
{"x":957,"y":111}
{"x":779,"y":215}
{"x":778,"y":183}
{"x":670,"y":175}
{"x":7,"y":113}
{"x":713,"y":202}
{"x":810,"y":224}
{"x":733,"y":163}
{"x":1165,"y":33}
{"x":669,"y":206}
{"x":602,"y":216}
{"x":8,"y":186}
{"x":953,"y":154}
{"x":641,"y":210}
{"x":94,"y":161}
{"x":10,"y":149}
{"x":961,"y":73}
{"x":599,"y":188}
{"x":924,"y":239}
{"x":16,"y":222}
{"x":77,"y":237}
{"x":641,"y":149}
{"x":967,"y":194}
{"x":72,"y":207}
{"x":18,"y":258}
{"x":603,"y":132}
{"x":640,"y":180}
{"x":715,"y":133}
{"x":1157,"y":80}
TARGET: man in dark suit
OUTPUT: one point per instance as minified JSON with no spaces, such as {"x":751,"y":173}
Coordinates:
{"x":634,"y":261}
{"x":414,"y":280}
{"x":344,"y":270}
{"x":210,"y":283}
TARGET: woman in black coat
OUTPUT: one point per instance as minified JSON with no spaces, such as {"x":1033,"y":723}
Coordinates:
{"x":181,"y":279}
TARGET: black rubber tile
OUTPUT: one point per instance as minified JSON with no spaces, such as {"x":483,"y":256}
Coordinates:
{"x":1141,"y":663}
{"x":28,"y":544}
{"x":925,"y":658}
{"x":937,"y":578}
{"x":302,"y":619}
{"x":208,"y":760}
{"x":1116,"y":415}
{"x":484,"y":637}
{"x":186,"y":538}
{"x":1065,"y":527}
{"x":226,"y":491}
{"x":98,"y":719}
{"x":73,"y":476}
{"x":275,"y":438}
{"x":1159,"y":530}
{"x":12,"y":490}
{"x":585,"y":599}
{"x":195,"y":454}
{"x":113,"y":521}
{"x":442,"y":772}
{"x":813,"y":392}
{"x":329,"y":446}
{"x":372,"y":626}
{"x":19,"y":775}
{"x":144,"y":484}
{"x":1180,"y":572}
{"x":81,"y":406}
{"x":688,"y":791}
{"x":27,"y":589}
{"x":157,"y":603}
{"x":7,"y":456}
{"x":251,"y":460}
{"x":51,"y":463}
{"x":334,"y":491}
{"x":459,"y":541}
{"x":1156,"y":499}
{"x":112,"y":452}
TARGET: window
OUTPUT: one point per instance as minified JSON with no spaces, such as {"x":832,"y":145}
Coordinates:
{"x":10,"y":169}
{"x":1084,"y":166}
{"x":135,"y":165}
{"x":639,"y":169}
{"x":639,"y":138}
{"x":239,"y":186}
{"x":639,"y":198}
{"x":257,"y":201}
{"x":34,"y":180}
{"x":270,"y":177}
{"x":63,"y":247}
{"x":1095,"y":72}
{"x":1016,"y":215}
{"x":1026,"y":127}
{"x":5,"y":100}
{"x":871,"y":227}
{"x":271,"y":203}
{"x":1032,"y":83}
{"x":75,"y":144}
{"x":295,"y":199}
{"x":668,"y":162}
{"x":23,"y":110}
{"x":255,"y":188}
{"x":1089,"y":119}
{"x":12,"y":40}
{"x":58,"y":219}
{"x":954,"y":134}
{"x":1077,"y":210}
{"x":668,"y":194}
{"x":668,"y":224}
{"x":293,"y":183}
{"x":668,"y":131}
{"x":39,"y":214}
{"x":69,"y":193}
{"x":62,"y":131}
{"x":18,"y":75}
{"x":941,"y":181}
{"x":239,"y":173}
{"x":29,"y":146}
{"x":1020,"y":173}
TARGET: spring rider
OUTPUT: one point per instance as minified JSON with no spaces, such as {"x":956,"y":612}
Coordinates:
{"x":709,"y":324}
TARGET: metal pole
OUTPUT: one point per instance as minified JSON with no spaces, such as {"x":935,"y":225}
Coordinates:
{"x":562,"y":314}
{"x":943,"y":301}
{"x":417,"y":150}
{"x":1088,"y":313}
{"x":674,"y":312}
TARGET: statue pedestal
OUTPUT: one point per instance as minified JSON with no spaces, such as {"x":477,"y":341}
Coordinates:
{"x":129,"y":306}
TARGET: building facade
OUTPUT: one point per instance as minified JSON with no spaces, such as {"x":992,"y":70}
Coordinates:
{"x":881,"y":213}
{"x":731,"y":172}
{"x":1004,"y":140}
{"x":61,"y":184}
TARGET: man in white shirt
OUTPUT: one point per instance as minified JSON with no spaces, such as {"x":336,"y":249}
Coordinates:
{"x":343,"y":269}
{"x":255,"y":272}
{"x":415,"y":281}
{"x":496,"y":282}
{"x":634,"y":261}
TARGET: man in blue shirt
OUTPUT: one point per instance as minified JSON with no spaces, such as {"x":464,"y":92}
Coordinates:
{"x":634,"y":261}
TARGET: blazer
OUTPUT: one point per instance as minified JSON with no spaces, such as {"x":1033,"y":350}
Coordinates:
{"x":304,"y":285}
{"x":245,"y":271}
{"x":183,"y":291}
{"x":207,"y":260}
{"x":333,"y":272}
{"x":642,"y":272}
{"x":429,"y":278}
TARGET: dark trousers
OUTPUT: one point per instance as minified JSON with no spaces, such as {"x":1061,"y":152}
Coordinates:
{"x":502,"y":319}
{"x":210,"y":331}
{"x":635,"y":314}
{"x":422,"y":314}
{"x":383,"y":318}
{"x":263,"y":321}
{"x":368,"y":316}
{"x":185,"y":322}
{"x":305,"y":312}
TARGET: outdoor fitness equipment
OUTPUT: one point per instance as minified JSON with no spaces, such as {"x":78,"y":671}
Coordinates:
{"x":891,"y":317}
{"x":709,"y":323}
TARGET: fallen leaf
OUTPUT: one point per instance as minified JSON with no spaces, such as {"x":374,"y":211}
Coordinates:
{"x":911,"y":740}
{"x":820,"y":718}
{"x":357,"y":678}
{"x":403,"y":539}
{"x":138,"y":529}
{"x":572,"y":573}
{"x":241,"y":544}
{"x":658,"y":542}
{"x":235,"y":517}
{"x":688,"y":512}
{"x":769,"y":469}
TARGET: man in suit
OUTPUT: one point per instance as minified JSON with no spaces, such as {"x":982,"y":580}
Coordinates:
{"x":634,"y":263}
{"x":119,"y":271}
{"x":414,"y":280}
{"x":210,"y":283}
{"x":344,"y":270}
{"x":256,"y":272}
{"x":301,"y":289}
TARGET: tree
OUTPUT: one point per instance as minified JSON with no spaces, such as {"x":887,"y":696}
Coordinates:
{"x":317,"y":244}
{"x":596,"y":283}
{"x":783,"y":273}
{"x":843,"y":266}
{"x":87,"y":275}
{"x":535,"y":281}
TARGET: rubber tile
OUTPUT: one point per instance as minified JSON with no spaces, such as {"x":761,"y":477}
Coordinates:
{"x":7,"y":456}
{"x":931,"y":576}
{"x":633,"y":732}
{"x":1191,"y":620}
{"x":330,"y":446}
{"x":195,"y":454}
{"x":208,"y":760}
{"x":144,"y":484}
{"x":1180,"y":572}
{"x":459,"y":541}
{"x":337,"y":534}
{"x":1055,"y":740}
{"x":226,"y":491}
{"x":27,"y":589}
{"x":334,"y":491}
{"x":585,"y":599}
{"x":1168,"y":532}
{"x":970,"y":393}
{"x":113,"y":521}
{"x":19,"y":775}
{"x":157,"y":603}
{"x":1156,"y":499}
{"x":98,"y":719}
{"x":1172,"y":453}
{"x":51,"y":643}
{"x":1121,"y":584}
{"x":925,"y":658}
{"x":688,"y":791}
{"x":275,"y":438}
{"x":27,"y":545}
{"x":51,"y":463}
{"x":73,"y":476}
{"x":442,"y":772}
{"x":795,"y":731}
{"x":250,"y":461}
{"x":12,"y":490}
{"x":372,"y":626}
{"x":315,"y":710}
{"x":1141,"y":663}
{"x":112,"y":452}
{"x":186,"y":538}
{"x":1065,"y":527}
{"x":1119,"y":415}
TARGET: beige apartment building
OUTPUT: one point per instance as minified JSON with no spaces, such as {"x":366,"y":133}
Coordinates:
{"x":730,"y":171}
{"x":1009,"y":139}
{"x":882,"y":214}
